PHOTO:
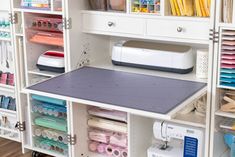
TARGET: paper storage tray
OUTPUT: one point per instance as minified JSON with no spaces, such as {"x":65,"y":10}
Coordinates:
{"x":36,"y":4}
{"x":98,"y":4}
{"x":47,"y":38}
{"x":116,"y":5}
{"x":227,"y":58}
{"x":47,"y":23}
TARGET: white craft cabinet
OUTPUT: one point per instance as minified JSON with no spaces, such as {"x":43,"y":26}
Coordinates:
{"x":88,"y":40}
{"x":98,"y":31}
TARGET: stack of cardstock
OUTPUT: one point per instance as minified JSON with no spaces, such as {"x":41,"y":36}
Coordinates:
{"x":227,"y":11}
{"x":227,"y":71}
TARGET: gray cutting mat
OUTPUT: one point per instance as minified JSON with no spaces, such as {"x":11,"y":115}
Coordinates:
{"x":136,"y":91}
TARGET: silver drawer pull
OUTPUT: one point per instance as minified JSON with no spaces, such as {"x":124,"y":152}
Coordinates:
{"x":179,"y":29}
{"x":110,"y":24}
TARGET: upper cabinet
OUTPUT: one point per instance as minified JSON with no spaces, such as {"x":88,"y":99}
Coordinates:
{"x":183,"y":21}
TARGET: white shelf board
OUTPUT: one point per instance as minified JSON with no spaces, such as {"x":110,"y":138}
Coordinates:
{"x":6,"y":111}
{"x":226,"y":154}
{"x":5,"y":39}
{"x":38,"y":11}
{"x":5,"y":30}
{"x":19,"y":34}
{"x":191,"y":119}
{"x":43,"y":73}
{"x":10,"y":138}
{"x":5,"y":10}
{"x":225,"y":114}
{"x":8,"y":129}
{"x":107,"y":64}
{"x":141,"y":15}
{"x":27,"y":146}
{"x":221,"y":24}
{"x":93,"y":154}
{"x":7,"y":88}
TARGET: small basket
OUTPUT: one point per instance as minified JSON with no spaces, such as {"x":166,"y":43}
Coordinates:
{"x":116,"y":5}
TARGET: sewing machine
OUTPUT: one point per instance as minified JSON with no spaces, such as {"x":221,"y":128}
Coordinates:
{"x":176,"y":141}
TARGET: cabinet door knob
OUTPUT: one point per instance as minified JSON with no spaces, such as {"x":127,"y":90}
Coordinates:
{"x":110,"y":24}
{"x":179,"y":29}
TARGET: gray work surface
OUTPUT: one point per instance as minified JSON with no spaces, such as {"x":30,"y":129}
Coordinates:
{"x":135,"y":91}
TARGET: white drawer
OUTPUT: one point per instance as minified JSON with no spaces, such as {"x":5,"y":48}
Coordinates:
{"x":5,"y":5}
{"x":113,"y":24}
{"x":196,"y":30}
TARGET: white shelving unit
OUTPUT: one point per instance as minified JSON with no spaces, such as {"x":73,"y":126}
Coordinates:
{"x":88,"y":40}
{"x":9,"y":130}
{"x":28,"y":53}
{"x":218,"y":146}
